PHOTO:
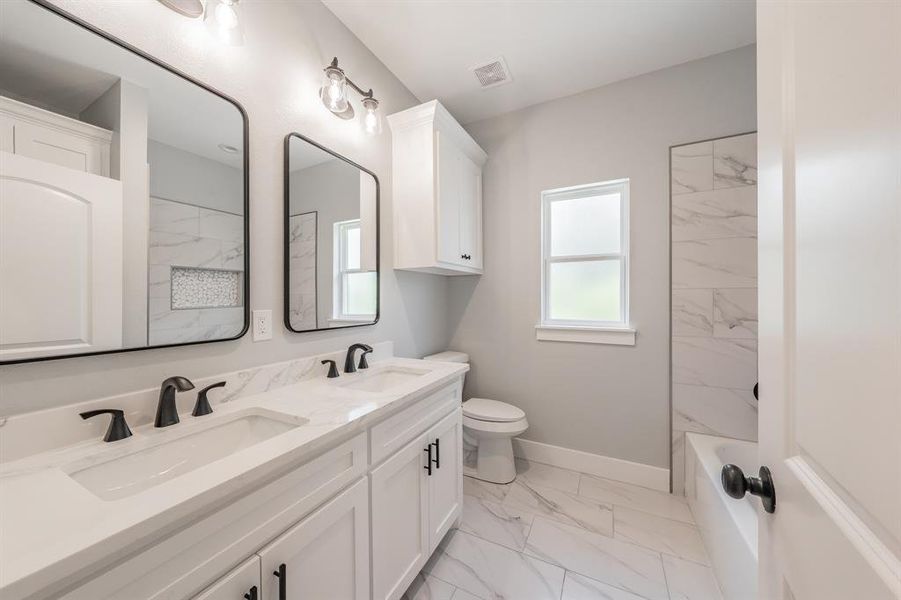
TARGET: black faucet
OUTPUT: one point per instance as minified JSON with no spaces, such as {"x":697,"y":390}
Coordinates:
{"x":363,"y":364}
{"x":202,"y":406}
{"x":118,"y":428}
{"x":166,"y":411}
{"x":349,"y":359}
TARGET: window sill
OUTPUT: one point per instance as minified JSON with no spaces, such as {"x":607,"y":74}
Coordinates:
{"x":616,"y":336}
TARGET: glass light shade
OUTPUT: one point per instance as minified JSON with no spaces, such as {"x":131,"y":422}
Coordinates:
{"x":372,"y":119}
{"x":224,"y":23}
{"x":334,"y":90}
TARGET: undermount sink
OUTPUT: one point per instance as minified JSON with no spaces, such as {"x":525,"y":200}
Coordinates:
{"x":384,"y":379}
{"x":132,"y":473}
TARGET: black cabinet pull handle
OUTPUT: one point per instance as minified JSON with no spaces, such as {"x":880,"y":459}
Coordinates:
{"x":251,"y":594}
{"x":437,"y":454}
{"x":428,"y":462}
{"x":737,"y":485}
{"x":282,"y":575}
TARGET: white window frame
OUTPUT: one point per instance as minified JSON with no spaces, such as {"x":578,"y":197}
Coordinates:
{"x":600,"y":332}
{"x":339,"y":260}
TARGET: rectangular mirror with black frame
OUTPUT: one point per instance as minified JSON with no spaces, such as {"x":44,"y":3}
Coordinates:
{"x":331,"y":239}
{"x":123,"y":196}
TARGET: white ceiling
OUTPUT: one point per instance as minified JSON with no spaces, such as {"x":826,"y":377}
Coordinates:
{"x":50,"y":62}
{"x":552,"y":48}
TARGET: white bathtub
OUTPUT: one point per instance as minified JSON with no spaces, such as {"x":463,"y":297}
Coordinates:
{"x":728,"y":526}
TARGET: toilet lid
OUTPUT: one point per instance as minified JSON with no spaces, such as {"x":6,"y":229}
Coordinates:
{"x":483,"y":409}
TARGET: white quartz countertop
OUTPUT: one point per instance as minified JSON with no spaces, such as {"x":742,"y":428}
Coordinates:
{"x":52,"y":528}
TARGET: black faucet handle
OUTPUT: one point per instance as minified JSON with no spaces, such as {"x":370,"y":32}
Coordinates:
{"x":202,"y":406}
{"x":118,"y":428}
{"x":332,"y":368}
{"x":364,"y":364}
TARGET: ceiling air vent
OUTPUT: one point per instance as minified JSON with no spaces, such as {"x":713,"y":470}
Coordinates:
{"x":493,"y":74}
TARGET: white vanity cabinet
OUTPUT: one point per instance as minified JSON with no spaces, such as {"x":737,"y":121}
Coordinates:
{"x":241,"y":582}
{"x":417,"y":496}
{"x":324,"y":556}
{"x":437,"y":179}
{"x":356,"y":522}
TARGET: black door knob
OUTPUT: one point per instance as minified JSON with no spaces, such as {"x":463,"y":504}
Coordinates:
{"x":737,"y":485}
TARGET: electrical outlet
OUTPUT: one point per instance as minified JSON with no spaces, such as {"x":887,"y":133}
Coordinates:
{"x":262,"y":325}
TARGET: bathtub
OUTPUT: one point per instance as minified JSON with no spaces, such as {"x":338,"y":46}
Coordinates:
{"x":728,"y":526}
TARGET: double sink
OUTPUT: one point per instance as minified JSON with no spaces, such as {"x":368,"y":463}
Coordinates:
{"x":124,"y":475}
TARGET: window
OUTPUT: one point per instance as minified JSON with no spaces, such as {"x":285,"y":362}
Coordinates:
{"x":354,"y":289}
{"x":585,"y":264}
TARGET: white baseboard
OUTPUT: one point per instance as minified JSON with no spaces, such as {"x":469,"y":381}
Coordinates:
{"x":647,"y":476}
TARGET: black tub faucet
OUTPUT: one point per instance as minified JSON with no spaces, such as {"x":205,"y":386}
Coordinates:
{"x":349,"y":359}
{"x":166,"y":411}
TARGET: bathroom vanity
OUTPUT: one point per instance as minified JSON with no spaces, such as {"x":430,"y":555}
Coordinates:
{"x":323,"y":488}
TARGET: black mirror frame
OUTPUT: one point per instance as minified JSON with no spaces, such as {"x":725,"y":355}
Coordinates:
{"x":45,"y":4}
{"x":287,"y":231}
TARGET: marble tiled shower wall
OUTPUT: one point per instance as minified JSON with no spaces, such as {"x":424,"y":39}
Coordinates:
{"x":184,"y":235}
{"x":302,"y":252}
{"x":714,"y":291}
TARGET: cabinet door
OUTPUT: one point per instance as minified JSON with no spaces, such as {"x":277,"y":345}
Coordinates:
{"x":471,"y":214}
{"x":241,"y":583}
{"x":446,"y":481}
{"x":400,"y":534}
{"x":325,"y":556}
{"x":450,"y":162}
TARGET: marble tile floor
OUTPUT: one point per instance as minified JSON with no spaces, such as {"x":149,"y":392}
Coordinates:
{"x":555,"y":534}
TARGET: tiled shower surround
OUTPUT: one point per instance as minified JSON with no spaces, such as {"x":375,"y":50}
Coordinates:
{"x":209,"y":245}
{"x":303,"y":255}
{"x":714,"y":291}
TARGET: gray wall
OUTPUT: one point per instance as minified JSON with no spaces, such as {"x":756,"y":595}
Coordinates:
{"x":193,"y":179}
{"x":293,"y":41}
{"x":608,"y":400}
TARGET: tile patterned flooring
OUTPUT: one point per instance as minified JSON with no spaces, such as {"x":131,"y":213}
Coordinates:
{"x":555,"y":534}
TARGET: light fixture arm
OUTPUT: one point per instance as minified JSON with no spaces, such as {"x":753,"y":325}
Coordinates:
{"x":356,"y":88}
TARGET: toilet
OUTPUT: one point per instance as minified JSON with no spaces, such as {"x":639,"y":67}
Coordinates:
{"x":489,"y":427}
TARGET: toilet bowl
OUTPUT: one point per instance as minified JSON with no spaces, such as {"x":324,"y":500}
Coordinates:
{"x":489,"y":427}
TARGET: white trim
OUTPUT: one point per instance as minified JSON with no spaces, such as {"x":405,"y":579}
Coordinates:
{"x":617,"y":336}
{"x":55,"y":121}
{"x":655,"y":478}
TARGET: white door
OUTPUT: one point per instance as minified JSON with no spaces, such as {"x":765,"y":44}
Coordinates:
{"x":325,"y":556}
{"x":446,"y":479}
{"x":60,"y":260}
{"x":400,"y":527}
{"x":449,"y":188}
{"x":241,"y":583}
{"x":829,"y":106}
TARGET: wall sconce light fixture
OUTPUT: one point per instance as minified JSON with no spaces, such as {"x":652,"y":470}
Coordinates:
{"x":333,"y":94}
{"x":220,"y":17}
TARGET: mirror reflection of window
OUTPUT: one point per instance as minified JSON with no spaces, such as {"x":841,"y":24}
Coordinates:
{"x":332,"y":208}
{"x":354,"y":287}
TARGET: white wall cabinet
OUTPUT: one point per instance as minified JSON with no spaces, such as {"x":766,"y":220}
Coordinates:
{"x":437,"y":179}
{"x":417,"y":495}
{"x":324,"y":556}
